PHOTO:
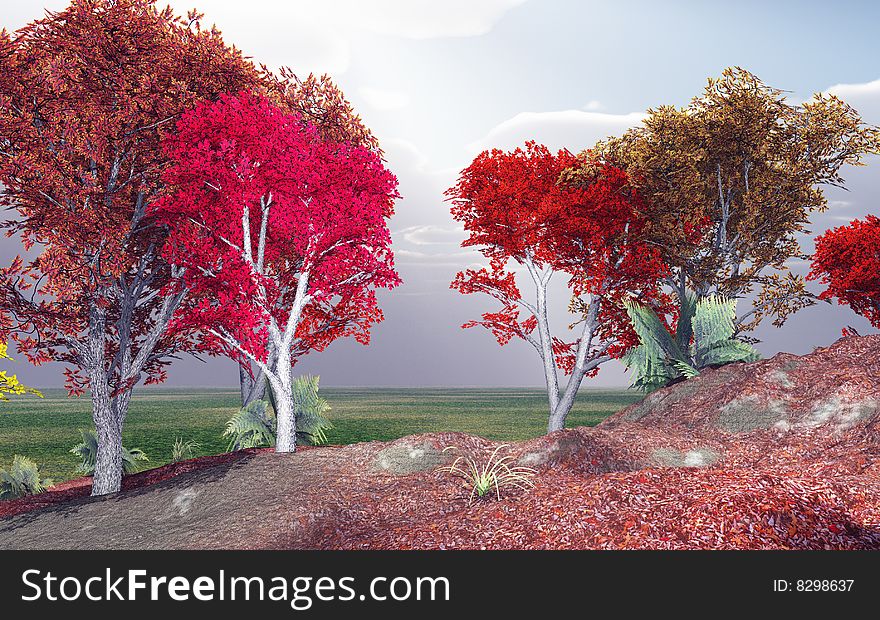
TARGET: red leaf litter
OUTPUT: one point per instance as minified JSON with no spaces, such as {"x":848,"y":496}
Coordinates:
{"x":797,"y":443}
{"x":779,"y":454}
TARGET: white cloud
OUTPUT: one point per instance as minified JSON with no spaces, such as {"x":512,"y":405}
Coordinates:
{"x":463,"y":259}
{"x":319,"y":36}
{"x":593,"y":105}
{"x":571,"y":129}
{"x":429,"y":19}
{"x":863,"y":97}
{"x":432,"y":234}
{"x":384,"y":99}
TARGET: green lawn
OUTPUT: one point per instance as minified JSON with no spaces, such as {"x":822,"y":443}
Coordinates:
{"x":45,"y":429}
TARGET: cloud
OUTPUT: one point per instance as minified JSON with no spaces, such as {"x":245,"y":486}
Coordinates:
{"x":461,"y":259}
{"x":432,"y":234}
{"x":319,"y":36}
{"x":384,"y":99}
{"x":572,"y":129}
{"x":429,"y":19}
{"x":863,"y":97}
{"x":593,"y":105}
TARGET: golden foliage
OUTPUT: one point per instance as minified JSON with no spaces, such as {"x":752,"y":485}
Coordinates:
{"x":9,"y":384}
{"x":732,"y":178}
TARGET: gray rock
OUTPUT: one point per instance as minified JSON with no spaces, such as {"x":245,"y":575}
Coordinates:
{"x":749,"y":413}
{"x":697,"y":457}
{"x":406,"y":458}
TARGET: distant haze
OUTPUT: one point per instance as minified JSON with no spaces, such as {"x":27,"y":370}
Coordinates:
{"x":439,"y":81}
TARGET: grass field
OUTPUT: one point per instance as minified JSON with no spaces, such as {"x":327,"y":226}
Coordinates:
{"x":45,"y":429}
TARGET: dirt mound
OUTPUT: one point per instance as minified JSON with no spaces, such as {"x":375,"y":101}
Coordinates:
{"x":779,"y":454}
{"x":828,"y":392}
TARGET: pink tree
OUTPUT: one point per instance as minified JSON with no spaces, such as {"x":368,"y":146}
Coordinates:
{"x":283,"y":236}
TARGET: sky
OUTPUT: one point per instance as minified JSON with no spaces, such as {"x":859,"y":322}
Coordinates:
{"x":437,"y":82}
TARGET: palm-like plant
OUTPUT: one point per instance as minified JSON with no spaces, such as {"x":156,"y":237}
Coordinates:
{"x":705,"y":337}
{"x":23,"y":478}
{"x":87,"y":452}
{"x":254,"y":425}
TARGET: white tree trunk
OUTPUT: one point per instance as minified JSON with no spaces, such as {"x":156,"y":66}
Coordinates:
{"x":563,"y":407}
{"x":285,"y":418}
{"x":285,"y":437}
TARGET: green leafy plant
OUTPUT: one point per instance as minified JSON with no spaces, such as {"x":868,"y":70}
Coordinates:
{"x":704,"y":337}
{"x":182,"y":450}
{"x":496,"y":473}
{"x":253,"y":426}
{"x":311,"y":411}
{"x":87,"y":452}
{"x":23,"y":478}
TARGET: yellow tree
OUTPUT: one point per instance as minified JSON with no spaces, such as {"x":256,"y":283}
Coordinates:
{"x":731,"y":180}
{"x":9,"y":384}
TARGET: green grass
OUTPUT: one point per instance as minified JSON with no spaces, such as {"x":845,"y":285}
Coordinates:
{"x":45,"y":429}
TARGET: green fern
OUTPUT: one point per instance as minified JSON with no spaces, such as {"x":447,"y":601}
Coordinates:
{"x":87,"y":452}
{"x":23,"y":478}
{"x":704,"y":337}
{"x":254,"y":425}
{"x":311,"y":411}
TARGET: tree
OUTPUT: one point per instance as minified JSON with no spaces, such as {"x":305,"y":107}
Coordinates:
{"x":282,"y":236}
{"x":515,"y":211}
{"x":9,"y":384}
{"x":85,"y":97}
{"x":847,"y":262}
{"x":320,"y":102}
{"x":729,"y":183}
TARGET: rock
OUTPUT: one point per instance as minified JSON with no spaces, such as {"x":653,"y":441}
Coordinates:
{"x":751,"y":413}
{"x":697,"y":457}
{"x":402,"y":458}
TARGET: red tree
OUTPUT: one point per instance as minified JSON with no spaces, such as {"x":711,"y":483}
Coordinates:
{"x":85,"y":97}
{"x":516,"y":211}
{"x":282,"y":235}
{"x":847,"y":261}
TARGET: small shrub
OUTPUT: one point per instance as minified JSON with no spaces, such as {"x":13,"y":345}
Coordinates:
{"x":182,"y":450}
{"x":253,"y":426}
{"x":705,"y":337}
{"x":22,"y":479}
{"x":496,"y":473}
{"x":311,"y":411}
{"x":87,"y":451}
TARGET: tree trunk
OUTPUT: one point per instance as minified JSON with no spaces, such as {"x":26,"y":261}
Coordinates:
{"x":285,"y":430}
{"x":246,"y":383}
{"x":560,"y":413}
{"x":108,"y":462}
{"x":566,"y":401}
{"x":285,"y":418}
{"x":252,"y":384}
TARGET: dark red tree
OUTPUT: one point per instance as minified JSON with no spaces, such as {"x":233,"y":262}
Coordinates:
{"x":85,"y":98}
{"x":516,"y":211}
{"x":847,"y":262}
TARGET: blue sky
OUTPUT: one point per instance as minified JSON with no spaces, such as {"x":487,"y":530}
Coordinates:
{"x":438,"y":81}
